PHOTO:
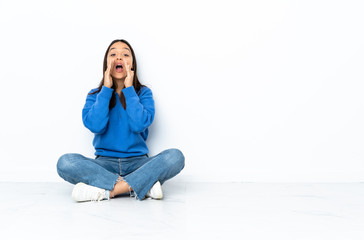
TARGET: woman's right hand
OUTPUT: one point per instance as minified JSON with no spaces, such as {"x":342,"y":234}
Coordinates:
{"x":107,"y":74}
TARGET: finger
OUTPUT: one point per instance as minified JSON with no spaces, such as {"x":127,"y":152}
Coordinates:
{"x":111,"y":63}
{"x":131,"y":68}
{"x":108,"y":64}
{"x":126,"y":66}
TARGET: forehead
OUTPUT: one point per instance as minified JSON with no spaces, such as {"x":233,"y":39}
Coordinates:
{"x":119,"y":46}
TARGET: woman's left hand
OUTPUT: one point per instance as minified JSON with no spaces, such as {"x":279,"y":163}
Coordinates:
{"x":128,"y":82}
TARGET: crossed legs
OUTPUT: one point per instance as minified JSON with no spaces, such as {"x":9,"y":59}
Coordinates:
{"x":120,"y":187}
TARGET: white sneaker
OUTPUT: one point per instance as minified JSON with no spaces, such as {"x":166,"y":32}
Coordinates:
{"x":156,"y":191}
{"x":83,"y":192}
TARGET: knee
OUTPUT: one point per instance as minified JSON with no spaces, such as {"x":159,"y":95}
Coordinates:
{"x":65,"y":162}
{"x":176,"y":157}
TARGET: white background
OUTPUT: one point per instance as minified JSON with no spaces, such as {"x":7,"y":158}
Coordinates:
{"x":251,"y":91}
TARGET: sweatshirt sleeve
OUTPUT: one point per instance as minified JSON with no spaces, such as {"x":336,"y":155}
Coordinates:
{"x":140,"y":109}
{"x":95,"y":113}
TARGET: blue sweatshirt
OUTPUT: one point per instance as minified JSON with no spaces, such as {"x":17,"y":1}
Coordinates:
{"x":119,"y":132}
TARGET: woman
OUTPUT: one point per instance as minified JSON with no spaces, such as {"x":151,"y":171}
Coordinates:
{"x":119,"y":113}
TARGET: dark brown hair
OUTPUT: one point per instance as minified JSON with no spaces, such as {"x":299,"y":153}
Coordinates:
{"x":137,"y":85}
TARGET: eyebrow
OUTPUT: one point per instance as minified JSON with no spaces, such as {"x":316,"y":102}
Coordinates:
{"x":124,"y":48}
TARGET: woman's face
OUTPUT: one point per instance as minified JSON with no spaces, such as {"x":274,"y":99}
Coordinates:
{"x":119,"y":53}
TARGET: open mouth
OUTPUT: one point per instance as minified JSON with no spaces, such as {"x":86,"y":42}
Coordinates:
{"x":119,"y":68}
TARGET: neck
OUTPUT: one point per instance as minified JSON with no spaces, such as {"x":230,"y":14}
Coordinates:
{"x":120,"y":84}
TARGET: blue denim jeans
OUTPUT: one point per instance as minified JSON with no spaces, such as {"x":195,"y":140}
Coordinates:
{"x":140,"y":172}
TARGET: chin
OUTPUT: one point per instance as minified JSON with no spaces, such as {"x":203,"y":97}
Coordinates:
{"x":118,"y":76}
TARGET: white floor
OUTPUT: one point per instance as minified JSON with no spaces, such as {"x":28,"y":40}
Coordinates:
{"x":188,"y":211}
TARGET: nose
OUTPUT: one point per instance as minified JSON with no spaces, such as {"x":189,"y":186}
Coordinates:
{"x":118,"y":57}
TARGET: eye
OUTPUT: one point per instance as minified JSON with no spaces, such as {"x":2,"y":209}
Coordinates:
{"x":126,"y":55}
{"x":112,"y":54}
